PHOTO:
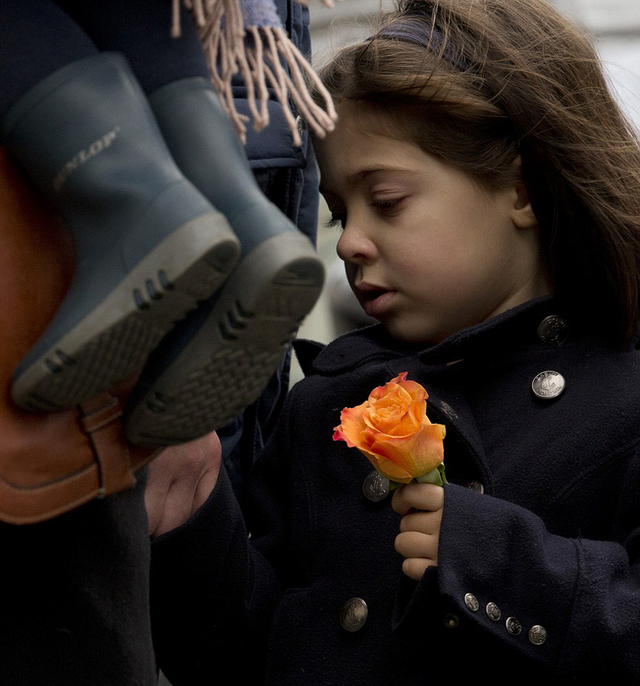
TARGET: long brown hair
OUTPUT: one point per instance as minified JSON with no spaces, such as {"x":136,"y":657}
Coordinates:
{"x":480,"y":83}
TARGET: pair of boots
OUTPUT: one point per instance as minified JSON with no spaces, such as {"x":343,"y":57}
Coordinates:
{"x":172,"y":236}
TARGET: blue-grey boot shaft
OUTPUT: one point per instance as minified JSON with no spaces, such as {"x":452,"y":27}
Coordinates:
{"x":206,"y":133}
{"x":218,"y":361}
{"x":88,"y":139}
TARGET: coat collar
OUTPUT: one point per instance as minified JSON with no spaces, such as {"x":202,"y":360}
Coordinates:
{"x":514,"y":328}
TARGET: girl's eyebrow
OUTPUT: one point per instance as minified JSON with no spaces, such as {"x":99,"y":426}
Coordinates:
{"x":364,"y":173}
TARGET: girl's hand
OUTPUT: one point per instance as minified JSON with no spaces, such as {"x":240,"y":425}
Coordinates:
{"x":421,"y":508}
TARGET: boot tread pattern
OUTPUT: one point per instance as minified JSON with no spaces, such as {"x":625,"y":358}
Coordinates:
{"x":67,"y":375}
{"x":241,"y":375}
{"x":123,"y":347}
{"x":246,"y":354}
{"x":226,"y":365}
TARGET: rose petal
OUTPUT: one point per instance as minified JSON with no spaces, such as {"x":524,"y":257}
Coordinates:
{"x":387,"y":467}
{"x":417,"y":454}
{"x":351,"y":426}
{"x":385,"y":412}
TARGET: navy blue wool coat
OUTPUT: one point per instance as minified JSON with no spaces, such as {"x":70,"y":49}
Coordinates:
{"x":538,"y":576}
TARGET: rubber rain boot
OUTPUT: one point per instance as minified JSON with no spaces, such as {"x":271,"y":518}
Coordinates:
{"x":218,"y":361}
{"x":149,"y":246}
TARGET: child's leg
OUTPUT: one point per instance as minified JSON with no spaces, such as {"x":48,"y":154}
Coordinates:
{"x":141,"y":31}
{"x":38,"y":38}
{"x":149,"y":245}
{"x":219,"y":360}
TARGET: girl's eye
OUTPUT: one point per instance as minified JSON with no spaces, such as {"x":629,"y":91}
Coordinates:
{"x":388,"y":206}
{"x":338,"y":220}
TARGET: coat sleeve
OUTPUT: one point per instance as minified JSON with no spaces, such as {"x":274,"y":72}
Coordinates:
{"x":213,"y":590}
{"x":569,"y":605}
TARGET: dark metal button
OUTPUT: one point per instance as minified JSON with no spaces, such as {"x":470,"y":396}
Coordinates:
{"x":493,"y":612}
{"x":451,"y":621}
{"x":537,"y":635}
{"x":514,"y":626}
{"x":471,"y":602}
{"x":475,"y":486}
{"x":553,"y":330}
{"x":353,"y":614}
{"x":548,"y":385}
{"x":375,"y":487}
{"x":448,"y":410}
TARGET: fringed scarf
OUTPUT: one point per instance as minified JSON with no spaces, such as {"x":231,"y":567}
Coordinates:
{"x":246,"y":36}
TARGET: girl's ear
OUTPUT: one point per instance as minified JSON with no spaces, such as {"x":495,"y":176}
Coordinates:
{"x":522,"y":212}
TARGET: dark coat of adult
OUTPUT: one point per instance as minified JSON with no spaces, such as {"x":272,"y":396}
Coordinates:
{"x":538,"y":578}
{"x":75,"y":608}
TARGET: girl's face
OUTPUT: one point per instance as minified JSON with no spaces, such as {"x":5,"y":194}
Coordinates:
{"x":427,"y":250}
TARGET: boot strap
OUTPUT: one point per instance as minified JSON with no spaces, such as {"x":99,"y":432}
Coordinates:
{"x":100,"y":421}
{"x":112,"y":469}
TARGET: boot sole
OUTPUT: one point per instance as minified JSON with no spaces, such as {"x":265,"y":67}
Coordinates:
{"x":229,"y":361}
{"x":114,"y":340}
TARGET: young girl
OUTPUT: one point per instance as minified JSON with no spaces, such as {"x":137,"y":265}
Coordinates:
{"x":489,"y":196}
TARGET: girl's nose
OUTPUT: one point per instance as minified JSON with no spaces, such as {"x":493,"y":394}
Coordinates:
{"x":355,"y":246}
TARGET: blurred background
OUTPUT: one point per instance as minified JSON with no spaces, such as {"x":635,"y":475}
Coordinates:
{"x":614,"y":26}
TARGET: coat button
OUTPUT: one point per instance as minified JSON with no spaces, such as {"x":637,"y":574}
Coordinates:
{"x":375,"y":487}
{"x":471,"y":602}
{"x":449,"y":411}
{"x":301,"y":124}
{"x":548,"y":385}
{"x":353,"y":614}
{"x":514,"y":627}
{"x":553,"y":330}
{"x":493,"y":612}
{"x":537,"y":635}
{"x":451,"y":621}
{"x":475,"y":486}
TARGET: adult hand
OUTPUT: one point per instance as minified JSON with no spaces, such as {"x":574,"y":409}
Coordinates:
{"x":180,"y":479}
{"x":421,"y":508}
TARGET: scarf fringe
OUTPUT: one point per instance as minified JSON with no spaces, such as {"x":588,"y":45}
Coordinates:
{"x":266,"y":58}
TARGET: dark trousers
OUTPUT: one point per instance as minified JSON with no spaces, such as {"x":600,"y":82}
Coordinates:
{"x":75,"y":606}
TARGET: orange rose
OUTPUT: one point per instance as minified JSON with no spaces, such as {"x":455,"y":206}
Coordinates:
{"x":392,"y":430}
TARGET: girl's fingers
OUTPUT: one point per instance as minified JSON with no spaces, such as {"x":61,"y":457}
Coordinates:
{"x":424,"y":522}
{"x":417,"y":497}
{"x":415,"y":567}
{"x":416,"y":544}
{"x":421,"y":507}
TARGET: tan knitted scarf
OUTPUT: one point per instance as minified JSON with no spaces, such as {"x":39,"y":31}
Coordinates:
{"x":246,"y":36}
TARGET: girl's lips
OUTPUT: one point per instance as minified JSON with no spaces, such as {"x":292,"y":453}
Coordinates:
{"x":375,"y":301}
